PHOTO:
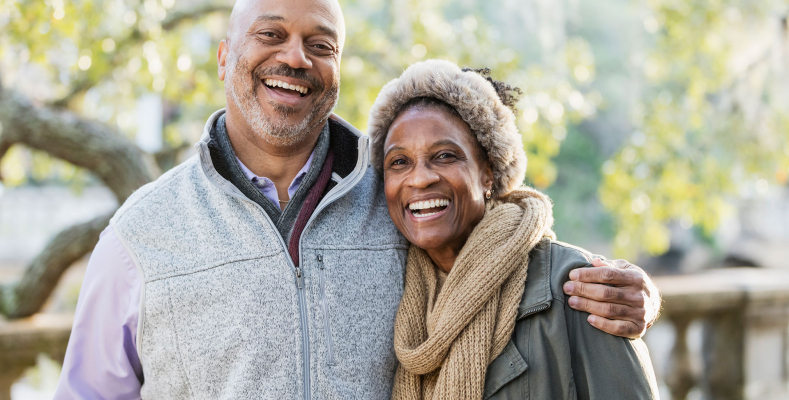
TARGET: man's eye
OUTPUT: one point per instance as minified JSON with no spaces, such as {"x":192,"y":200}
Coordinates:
{"x":322,"y":48}
{"x":269,"y":34}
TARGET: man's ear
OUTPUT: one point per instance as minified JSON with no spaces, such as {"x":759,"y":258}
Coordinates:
{"x":221,"y":58}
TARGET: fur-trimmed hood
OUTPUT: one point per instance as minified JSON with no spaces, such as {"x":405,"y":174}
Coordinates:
{"x":478,"y":104}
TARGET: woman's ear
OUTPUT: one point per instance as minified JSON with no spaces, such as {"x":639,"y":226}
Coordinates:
{"x":487,"y":177}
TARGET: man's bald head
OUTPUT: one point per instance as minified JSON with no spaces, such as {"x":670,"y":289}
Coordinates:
{"x":281,"y":67}
{"x":245,"y":12}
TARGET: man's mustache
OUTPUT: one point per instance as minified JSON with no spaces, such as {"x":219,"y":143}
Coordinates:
{"x":290,"y":72}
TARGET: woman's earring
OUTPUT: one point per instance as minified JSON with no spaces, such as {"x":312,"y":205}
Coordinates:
{"x":488,"y":194}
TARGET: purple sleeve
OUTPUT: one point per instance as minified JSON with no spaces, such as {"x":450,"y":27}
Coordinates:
{"x":101,"y":359}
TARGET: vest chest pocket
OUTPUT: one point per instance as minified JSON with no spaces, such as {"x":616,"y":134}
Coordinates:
{"x":355,"y":295}
{"x":508,"y":366}
{"x":324,"y":304}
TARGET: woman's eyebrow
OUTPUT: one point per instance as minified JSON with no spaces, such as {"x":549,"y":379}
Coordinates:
{"x":445,"y":142}
{"x":391,"y":149}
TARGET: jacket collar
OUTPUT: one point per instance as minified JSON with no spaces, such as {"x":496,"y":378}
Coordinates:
{"x":537,"y":296}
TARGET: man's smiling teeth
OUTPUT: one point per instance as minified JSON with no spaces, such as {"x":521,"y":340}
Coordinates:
{"x":421,"y":205}
{"x":276,"y":83}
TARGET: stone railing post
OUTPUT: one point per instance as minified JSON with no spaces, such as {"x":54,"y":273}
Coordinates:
{"x":745,"y":335}
{"x":679,"y":375}
{"x":722,"y":352}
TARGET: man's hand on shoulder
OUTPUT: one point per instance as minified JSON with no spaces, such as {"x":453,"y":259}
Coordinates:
{"x":621,"y":297}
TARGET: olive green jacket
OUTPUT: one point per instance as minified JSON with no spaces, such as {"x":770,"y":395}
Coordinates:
{"x":555,"y":353}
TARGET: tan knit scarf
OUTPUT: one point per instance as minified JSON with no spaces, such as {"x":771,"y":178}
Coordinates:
{"x":445,"y":342}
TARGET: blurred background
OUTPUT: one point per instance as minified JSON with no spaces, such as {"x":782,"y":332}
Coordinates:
{"x":660,"y":128}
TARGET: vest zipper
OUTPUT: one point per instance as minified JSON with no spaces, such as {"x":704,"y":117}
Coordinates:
{"x":305,"y":334}
{"x":341,"y":189}
{"x":325,"y":306}
{"x":330,"y":198}
{"x":305,"y":339}
{"x":299,"y":278}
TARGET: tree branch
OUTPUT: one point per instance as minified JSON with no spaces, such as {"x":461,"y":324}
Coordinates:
{"x":175,"y":18}
{"x":170,"y":22}
{"x":27,"y":296}
{"x":108,"y":154}
{"x":87,"y":144}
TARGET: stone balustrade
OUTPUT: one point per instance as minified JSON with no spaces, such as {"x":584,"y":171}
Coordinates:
{"x":21,"y":341}
{"x":744,"y":314}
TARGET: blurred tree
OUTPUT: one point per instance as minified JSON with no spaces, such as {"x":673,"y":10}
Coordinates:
{"x":73,"y":71}
{"x":712,"y":122}
{"x":77,"y":70}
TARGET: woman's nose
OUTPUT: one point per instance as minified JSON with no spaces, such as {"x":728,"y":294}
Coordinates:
{"x":422,"y":176}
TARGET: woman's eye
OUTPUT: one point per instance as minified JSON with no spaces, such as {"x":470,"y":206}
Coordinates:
{"x":444,"y":156}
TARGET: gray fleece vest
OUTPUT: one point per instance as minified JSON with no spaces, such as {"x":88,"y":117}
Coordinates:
{"x":226,"y":315}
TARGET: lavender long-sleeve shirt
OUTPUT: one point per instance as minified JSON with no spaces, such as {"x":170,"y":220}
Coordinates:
{"x":101,"y":359}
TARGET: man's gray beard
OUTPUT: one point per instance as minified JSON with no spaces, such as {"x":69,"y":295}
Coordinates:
{"x":276,"y":131}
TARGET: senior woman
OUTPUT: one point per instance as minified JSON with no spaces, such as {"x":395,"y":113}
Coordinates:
{"x":483,"y":314}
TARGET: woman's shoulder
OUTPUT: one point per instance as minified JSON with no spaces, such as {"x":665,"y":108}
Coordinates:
{"x":556,"y":259}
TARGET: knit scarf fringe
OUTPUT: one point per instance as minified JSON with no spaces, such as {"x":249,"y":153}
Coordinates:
{"x":445,"y":342}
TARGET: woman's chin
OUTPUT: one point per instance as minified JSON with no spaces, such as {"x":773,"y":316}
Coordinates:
{"x":428,"y":240}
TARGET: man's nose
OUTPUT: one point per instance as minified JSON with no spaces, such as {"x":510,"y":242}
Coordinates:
{"x":423,"y":176}
{"x":293,"y":54}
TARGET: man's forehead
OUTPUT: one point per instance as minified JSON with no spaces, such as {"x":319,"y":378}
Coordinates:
{"x":251,"y":11}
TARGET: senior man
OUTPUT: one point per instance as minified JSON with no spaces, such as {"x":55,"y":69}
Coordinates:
{"x":267,"y":266}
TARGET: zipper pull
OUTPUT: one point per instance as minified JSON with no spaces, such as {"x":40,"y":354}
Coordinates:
{"x":320,"y":261}
{"x":299,"y":278}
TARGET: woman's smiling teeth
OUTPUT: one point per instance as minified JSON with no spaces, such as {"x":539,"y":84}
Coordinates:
{"x":426,"y":208}
{"x":284,"y":85}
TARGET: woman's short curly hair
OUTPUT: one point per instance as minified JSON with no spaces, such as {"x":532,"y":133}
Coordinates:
{"x":485,"y":104}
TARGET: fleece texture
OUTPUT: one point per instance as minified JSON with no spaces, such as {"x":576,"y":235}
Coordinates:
{"x":473,"y":97}
{"x":223,"y":314}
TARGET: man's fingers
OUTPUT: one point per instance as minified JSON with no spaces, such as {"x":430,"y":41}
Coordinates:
{"x":611,"y":294}
{"x":626,"y":329}
{"x":608,"y":276}
{"x":601,"y":263}
{"x":608,"y":310}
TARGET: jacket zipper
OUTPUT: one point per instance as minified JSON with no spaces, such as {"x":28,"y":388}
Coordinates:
{"x":534,"y":310}
{"x":325,"y":306}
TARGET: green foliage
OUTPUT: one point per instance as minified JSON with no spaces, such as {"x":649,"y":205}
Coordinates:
{"x":98,"y":57}
{"x":708,"y":128}
{"x":385,"y":37}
